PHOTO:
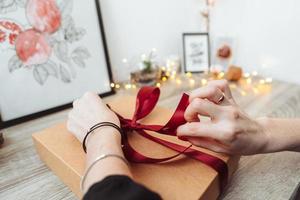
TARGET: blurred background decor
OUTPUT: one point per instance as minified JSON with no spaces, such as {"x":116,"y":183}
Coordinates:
{"x":196,"y":50}
{"x":223,"y":55}
{"x":50,"y":58}
{"x":206,"y":13}
{"x":148,"y":71}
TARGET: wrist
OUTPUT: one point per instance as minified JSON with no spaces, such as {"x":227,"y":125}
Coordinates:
{"x":104,"y":139}
{"x":267,"y":140}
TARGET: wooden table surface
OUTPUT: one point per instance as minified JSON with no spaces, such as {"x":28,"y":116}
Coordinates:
{"x":271,"y":176}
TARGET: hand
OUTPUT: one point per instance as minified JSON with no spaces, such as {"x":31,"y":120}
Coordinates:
{"x":229,"y":129}
{"x":88,"y":111}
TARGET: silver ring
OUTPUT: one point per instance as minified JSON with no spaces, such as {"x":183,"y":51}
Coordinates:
{"x":221,"y":99}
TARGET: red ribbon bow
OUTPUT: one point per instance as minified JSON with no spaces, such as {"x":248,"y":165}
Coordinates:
{"x":146,"y":100}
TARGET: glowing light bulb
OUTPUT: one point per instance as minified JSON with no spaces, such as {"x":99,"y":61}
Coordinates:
{"x":189,"y":74}
{"x":128,"y":86}
{"x":143,"y":57}
{"x":164,"y":79}
{"x":204,"y":81}
{"x":262,"y":81}
{"x":269,"y":80}
{"x":254,"y":73}
{"x":192,"y":82}
{"x":249,"y":81}
{"x":158,"y":84}
{"x":117,"y":86}
{"x":178,"y":81}
{"x":112,"y":85}
{"x":243,"y":93}
{"x":221,"y":75}
{"x":246,"y":75}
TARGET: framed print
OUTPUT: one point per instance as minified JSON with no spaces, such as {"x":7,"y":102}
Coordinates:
{"x":196,"y":50}
{"x":223,"y":52}
{"x":51,"y":53}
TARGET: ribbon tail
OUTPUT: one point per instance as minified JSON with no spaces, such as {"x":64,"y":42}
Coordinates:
{"x":214,"y":162}
{"x":133,"y":156}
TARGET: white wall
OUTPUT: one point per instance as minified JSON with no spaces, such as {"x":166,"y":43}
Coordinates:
{"x":267,"y":32}
{"x":134,"y":27}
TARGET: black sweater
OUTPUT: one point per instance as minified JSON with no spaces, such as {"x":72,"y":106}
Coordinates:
{"x":119,"y":187}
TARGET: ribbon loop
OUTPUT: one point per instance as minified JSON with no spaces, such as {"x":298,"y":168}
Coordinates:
{"x":146,"y":101}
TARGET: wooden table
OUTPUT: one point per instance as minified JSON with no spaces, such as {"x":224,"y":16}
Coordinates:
{"x":272,"y":176}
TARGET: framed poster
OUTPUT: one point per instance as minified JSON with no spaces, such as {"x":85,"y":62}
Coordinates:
{"x":196,"y":50}
{"x":51,"y":53}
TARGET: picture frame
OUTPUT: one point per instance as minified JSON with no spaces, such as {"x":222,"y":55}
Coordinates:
{"x":196,"y":52}
{"x":224,"y":48}
{"x":92,"y":64}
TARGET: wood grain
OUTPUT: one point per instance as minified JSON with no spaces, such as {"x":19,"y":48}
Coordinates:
{"x":270,"y":176}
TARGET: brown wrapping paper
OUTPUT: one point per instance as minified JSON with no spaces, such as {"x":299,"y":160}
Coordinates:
{"x":182,"y":178}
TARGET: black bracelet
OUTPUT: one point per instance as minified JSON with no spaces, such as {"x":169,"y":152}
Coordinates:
{"x":99,"y":125}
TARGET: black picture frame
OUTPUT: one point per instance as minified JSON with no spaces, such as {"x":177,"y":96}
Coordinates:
{"x":13,"y":122}
{"x":204,"y":34}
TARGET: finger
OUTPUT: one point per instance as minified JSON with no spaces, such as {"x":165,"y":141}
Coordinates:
{"x":223,"y":86}
{"x":197,"y":129}
{"x":208,"y":140}
{"x":212,"y":93}
{"x":75,"y":102}
{"x":208,"y":144}
{"x":206,"y":92}
{"x":91,"y":96}
{"x":93,"y":100}
{"x":202,"y":107}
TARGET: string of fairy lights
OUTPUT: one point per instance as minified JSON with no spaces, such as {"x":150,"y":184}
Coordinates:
{"x":249,"y":83}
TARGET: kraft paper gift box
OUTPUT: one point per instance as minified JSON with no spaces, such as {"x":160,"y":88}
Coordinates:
{"x":180,"y":178}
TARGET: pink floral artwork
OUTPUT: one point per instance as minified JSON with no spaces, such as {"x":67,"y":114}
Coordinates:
{"x":7,"y":6}
{"x":49,"y":46}
{"x":9,"y":31}
{"x":43,"y":15}
{"x":32,"y":47}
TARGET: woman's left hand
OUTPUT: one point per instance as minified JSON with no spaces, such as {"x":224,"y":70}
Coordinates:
{"x":88,"y":111}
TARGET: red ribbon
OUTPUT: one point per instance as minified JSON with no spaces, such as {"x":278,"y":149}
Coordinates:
{"x":145,"y":102}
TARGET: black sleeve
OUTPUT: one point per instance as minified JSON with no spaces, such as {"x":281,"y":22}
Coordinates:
{"x":119,"y":187}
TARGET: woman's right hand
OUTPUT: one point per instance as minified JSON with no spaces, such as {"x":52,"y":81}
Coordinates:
{"x":229,"y":130}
